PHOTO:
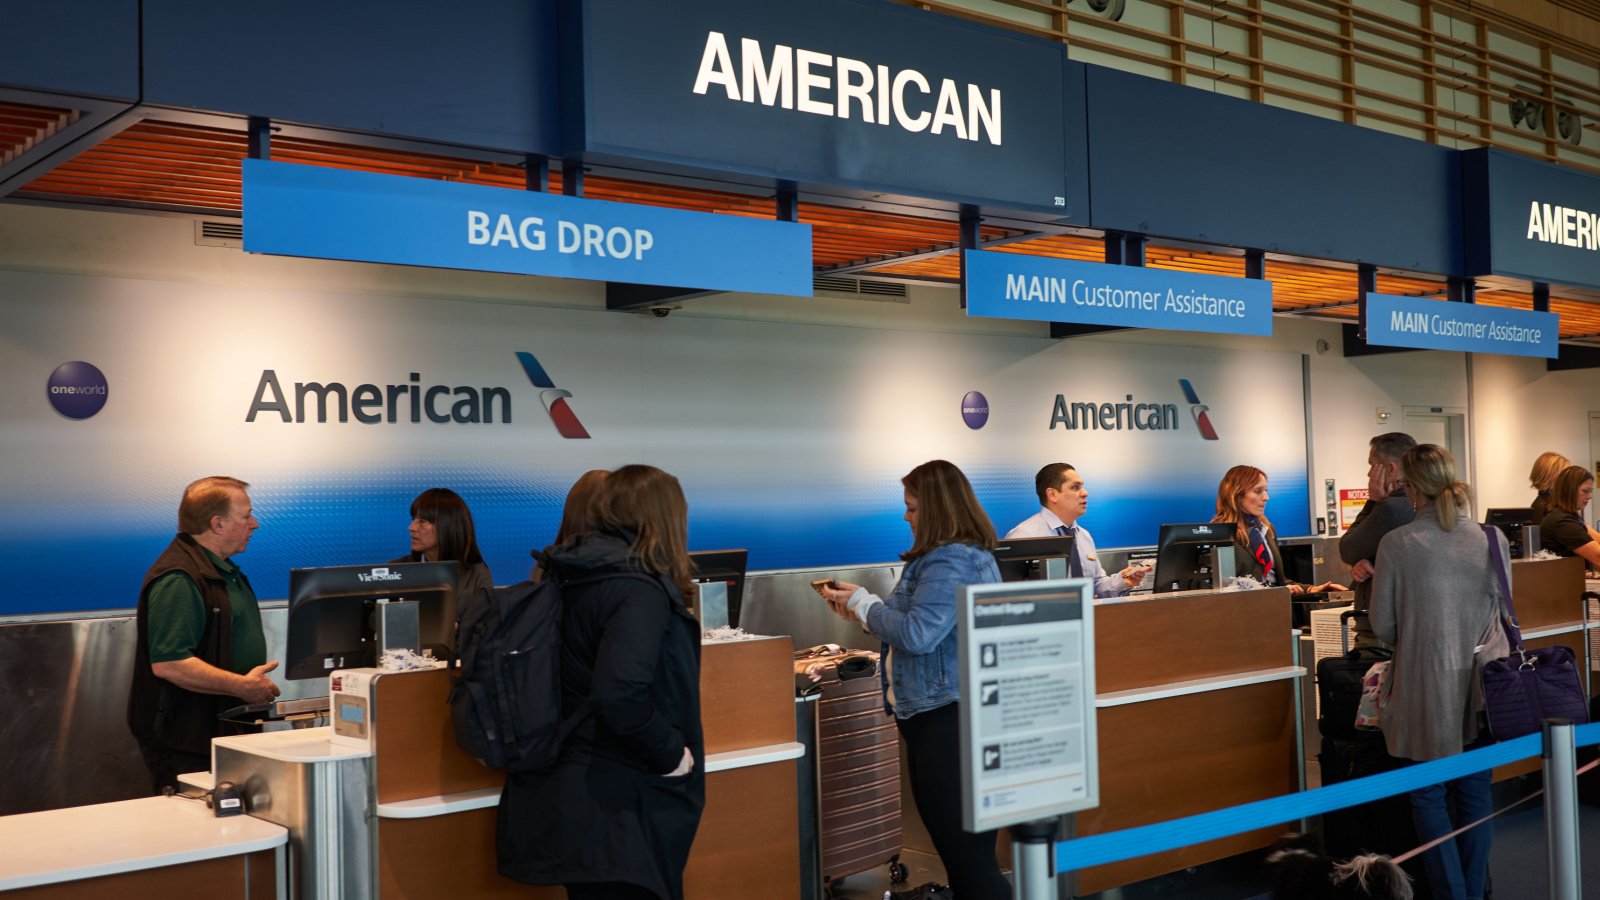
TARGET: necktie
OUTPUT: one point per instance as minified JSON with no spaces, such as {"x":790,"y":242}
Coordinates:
{"x":1075,"y":562}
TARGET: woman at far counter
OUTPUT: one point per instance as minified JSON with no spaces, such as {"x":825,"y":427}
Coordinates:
{"x":442,"y":531}
{"x":951,"y":540}
{"x":1242,"y":503}
{"x":1542,"y":478}
{"x":1563,"y":531}
{"x":1435,"y":599}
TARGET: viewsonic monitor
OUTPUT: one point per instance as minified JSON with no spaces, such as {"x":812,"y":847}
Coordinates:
{"x":1023,"y":559}
{"x":1510,"y":523}
{"x":331,"y":624}
{"x":726,"y":566}
{"x":1183,"y":556}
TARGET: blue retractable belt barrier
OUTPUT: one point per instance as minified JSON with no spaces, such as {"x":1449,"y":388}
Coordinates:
{"x":1099,"y":849}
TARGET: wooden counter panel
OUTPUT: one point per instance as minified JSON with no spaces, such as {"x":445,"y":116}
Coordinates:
{"x":447,"y":856}
{"x":1182,"y":637}
{"x":748,"y":835}
{"x":416,"y":749}
{"x":1547,"y":591}
{"x":1164,"y":759}
{"x":747,"y":694}
{"x":224,"y":878}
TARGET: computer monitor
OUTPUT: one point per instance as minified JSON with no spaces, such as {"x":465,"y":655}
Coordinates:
{"x":1023,"y":559}
{"x":726,"y":566}
{"x":331,"y":624}
{"x":1183,"y":556}
{"x":1510,"y":522}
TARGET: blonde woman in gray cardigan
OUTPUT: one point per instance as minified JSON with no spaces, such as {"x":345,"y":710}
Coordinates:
{"x":1435,"y":598}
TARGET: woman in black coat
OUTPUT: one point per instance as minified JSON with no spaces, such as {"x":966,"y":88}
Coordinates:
{"x":616,"y":815}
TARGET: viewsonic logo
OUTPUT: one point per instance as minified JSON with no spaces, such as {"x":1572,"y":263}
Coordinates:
{"x":1201,"y":420}
{"x":555,"y":402}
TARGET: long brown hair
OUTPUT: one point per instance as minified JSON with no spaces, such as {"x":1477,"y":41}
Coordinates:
{"x":1235,"y":483}
{"x":1564,"y":492}
{"x":947,"y":510}
{"x":1431,"y":472}
{"x":576,"y":514}
{"x":649,"y":504}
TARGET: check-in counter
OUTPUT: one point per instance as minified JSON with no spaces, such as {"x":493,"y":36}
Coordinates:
{"x":157,"y":847}
{"x":1197,"y":698}
{"x":433,"y":823}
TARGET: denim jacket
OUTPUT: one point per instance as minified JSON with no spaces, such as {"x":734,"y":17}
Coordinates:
{"x":918,"y":620}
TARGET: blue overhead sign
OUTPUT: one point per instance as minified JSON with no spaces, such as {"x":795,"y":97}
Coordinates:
{"x":294,"y":210}
{"x":854,"y":93}
{"x":1530,"y":219}
{"x":1468,"y":327}
{"x":1014,"y":286}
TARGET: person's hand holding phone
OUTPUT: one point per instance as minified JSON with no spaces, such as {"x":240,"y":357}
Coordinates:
{"x":838,"y":594}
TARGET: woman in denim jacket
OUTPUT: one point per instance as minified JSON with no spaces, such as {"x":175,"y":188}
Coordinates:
{"x":951,"y":540}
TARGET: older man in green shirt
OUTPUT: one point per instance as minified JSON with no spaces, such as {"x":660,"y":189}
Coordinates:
{"x":201,"y":647}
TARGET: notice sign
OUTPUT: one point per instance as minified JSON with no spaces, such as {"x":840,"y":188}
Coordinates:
{"x":1028,"y":741}
{"x":1014,"y":286}
{"x":1442,"y":325}
{"x":292,"y":210}
{"x":1351,"y":501}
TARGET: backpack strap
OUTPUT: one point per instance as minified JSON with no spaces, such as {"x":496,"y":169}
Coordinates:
{"x":1508,"y":612}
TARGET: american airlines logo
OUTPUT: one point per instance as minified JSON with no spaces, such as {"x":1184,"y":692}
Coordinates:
{"x":412,"y":401}
{"x":379,"y":574}
{"x":1201,"y":420}
{"x":1075,"y":415}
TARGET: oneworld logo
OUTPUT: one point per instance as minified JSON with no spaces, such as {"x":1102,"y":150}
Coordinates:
{"x":379,"y":574}
{"x":77,"y":389}
{"x":408,"y":401}
{"x":974,"y":410}
{"x":1128,"y":415}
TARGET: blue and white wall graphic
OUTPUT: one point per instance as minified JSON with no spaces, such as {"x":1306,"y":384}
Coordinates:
{"x":1016,"y":286}
{"x":294,"y":210}
{"x":789,"y":439}
{"x":1441,"y":325}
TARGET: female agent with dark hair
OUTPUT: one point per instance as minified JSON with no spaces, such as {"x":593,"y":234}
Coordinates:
{"x":1242,"y":503}
{"x":1435,"y":599}
{"x":951,"y":540}
{"x":614,"y":817}
{"x":1563,"y":531}
{"x":442,"y":531}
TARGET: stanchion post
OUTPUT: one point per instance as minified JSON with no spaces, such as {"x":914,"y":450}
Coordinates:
{"x":1033,"y":860}
{"x":1561,"y":808}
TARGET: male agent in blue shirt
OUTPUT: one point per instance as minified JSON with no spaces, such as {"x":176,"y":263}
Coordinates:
{"x":1063,"y":498}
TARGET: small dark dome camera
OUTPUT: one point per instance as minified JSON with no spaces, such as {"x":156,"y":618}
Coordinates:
{"x":661,"y":312}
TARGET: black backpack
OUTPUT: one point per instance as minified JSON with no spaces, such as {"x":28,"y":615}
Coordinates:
{"x":505,"y":696}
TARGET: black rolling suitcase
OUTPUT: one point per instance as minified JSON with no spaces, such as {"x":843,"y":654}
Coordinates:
{"x":1382,"y":826}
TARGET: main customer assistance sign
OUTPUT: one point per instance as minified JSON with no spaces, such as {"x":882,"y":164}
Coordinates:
{"x":1028,"y":740}
{"x":1015,"y":286}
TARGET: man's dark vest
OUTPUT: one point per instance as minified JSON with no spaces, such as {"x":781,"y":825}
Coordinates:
{"x":160,"y":712}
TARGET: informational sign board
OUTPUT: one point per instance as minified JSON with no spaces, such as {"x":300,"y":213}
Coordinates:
{"x":1351,"y":500}
{"x":1016,"y":286}
{"x":1529,"y":219}
{"x":1028,"y":742}
{"x":1468,"y":327}
{"x":324,"y":213}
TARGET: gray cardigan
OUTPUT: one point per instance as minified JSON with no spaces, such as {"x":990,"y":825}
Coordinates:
{"x":1435,"y":597}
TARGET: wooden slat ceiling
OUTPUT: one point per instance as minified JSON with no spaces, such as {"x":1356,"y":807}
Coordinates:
{"x":22,"y":127}
{"x":191,"y":168}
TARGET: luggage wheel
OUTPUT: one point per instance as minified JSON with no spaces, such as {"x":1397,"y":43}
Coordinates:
{"x":898,"y":873}
{"x":831,"y":889}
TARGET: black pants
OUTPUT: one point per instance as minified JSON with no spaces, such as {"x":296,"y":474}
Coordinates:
{"x":609,"y":890}
{"x":933,"y":759}
{"x":166,"y":765}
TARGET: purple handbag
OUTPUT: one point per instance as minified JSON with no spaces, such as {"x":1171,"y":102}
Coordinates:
{"x":1525,"y":687}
